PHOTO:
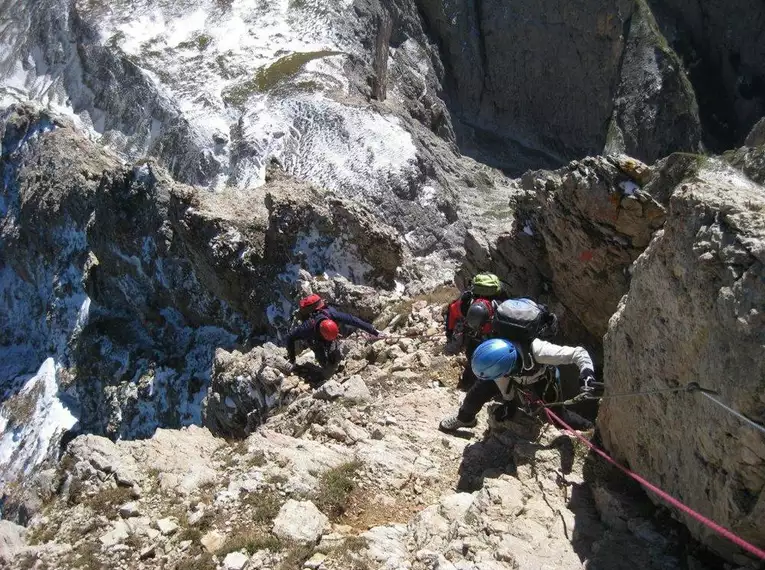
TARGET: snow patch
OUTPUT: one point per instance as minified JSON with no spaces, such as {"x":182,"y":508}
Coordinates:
{"x":331,"y":256}
{"x":345,"y":149}
{"x":25,"y":446}
{"x":629,"y":187}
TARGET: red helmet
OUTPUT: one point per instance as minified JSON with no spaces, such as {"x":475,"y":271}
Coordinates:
{"x":310,"y":304}
{"x":328,"y":329}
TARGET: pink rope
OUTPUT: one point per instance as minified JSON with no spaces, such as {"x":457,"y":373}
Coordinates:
{"x":667,"y":497}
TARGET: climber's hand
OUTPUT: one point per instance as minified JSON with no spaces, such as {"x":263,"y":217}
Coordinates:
{"x":587,"y":380}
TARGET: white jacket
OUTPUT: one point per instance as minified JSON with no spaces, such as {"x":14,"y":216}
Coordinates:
{"x":545,"y":353}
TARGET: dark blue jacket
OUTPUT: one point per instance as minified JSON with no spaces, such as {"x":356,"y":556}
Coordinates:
{"x":308,"y":330}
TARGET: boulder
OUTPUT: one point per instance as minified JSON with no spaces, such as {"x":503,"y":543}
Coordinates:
{"x":750,"y":160}
{"x":330,"y":390}
{"x":355,"y":389}
{"x":183,"y":458}
{"x":105,"y":456}
{"x":12,"y":539}
{"x":117,"y":534}
{"x":300,"y":521}
{"x":235,"y":561}
{"x":212,"y":541}
{"x":130,"y":510}
{"x":167,"y":526}
{"x":694,"y":314}
{"x":244,"y":388}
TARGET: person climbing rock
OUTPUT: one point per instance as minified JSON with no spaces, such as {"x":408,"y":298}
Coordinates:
{"x":320,"y":329}
{"x":517,"y":358}
{"x":467,"y":319}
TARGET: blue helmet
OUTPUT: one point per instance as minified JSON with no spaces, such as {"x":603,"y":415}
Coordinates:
{"x":493,"y":359}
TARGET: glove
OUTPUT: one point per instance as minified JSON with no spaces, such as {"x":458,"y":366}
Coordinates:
{"x":586,"y":377}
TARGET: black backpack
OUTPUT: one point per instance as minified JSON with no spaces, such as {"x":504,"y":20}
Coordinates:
{"x":523,"y":320}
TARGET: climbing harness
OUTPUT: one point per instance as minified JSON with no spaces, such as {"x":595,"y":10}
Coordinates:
{"x":737,"y":540}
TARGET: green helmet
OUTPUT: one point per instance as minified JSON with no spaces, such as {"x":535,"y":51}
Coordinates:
{"x":486,"y":285}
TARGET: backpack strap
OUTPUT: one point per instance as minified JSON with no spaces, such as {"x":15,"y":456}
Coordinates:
{"x":318,"y":316}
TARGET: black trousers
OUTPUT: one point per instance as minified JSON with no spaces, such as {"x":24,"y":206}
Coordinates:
{"x":483,"y":392}
{"x":476,"y":398}
{"x":327,"y":353}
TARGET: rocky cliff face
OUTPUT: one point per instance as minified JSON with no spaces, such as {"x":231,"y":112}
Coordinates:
{"x":570,"y":240}
{"x":722,"y":48}
{"x":186,"y":172}
{"x":525,"y":70}
{"x":655,"y":110}
{"x":693,"y":315}
{"x":121,"y":282}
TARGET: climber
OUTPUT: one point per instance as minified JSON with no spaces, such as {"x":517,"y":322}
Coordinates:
{"x":468,"y":318}
{"x":517,"y":358}
{"x":320,"y":330}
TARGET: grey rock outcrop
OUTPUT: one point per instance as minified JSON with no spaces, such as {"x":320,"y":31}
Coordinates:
{"x":243,"y":389}
{"x":382,"y":462}
{"x":756,"y":136}
{"x":655,"y":109}
{"x":572,"y":239}
{"x":300,"y":521}
{"x":750,"y":160}
{"x":12,"y":539}
{"x":693,"y":314}
{"x":129,"y":281}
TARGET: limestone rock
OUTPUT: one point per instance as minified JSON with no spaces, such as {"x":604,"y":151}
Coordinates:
{"x":235,"y":561}
{"x":693,"y":314}
{"x":315,"y":561}
{"x":751,"y":161}
{"x":147,"y":552}
{"x":105,"y":456}
{"x":118,"y":533}
{"x":330,"y":390}
{"x":130,"y":510}
{"x":756,"y":136}
{"x":578,"y":229}
{"x":356,"y":390}
{"x":727,"y":40}
{"x":212,"y":541}
{"x":182,"y":457}
{"x":12,"y":539}
{"x":573,"y":58}
{"x":243,"y":388}
{"x":167,"y":526}
{"x":300,"y":521}
{"x":387,"y":544}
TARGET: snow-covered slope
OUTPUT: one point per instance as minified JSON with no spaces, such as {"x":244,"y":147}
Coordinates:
{"x":214,"y":88}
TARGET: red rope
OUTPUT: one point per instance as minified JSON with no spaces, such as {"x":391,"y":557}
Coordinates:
{"x":667,"y":497}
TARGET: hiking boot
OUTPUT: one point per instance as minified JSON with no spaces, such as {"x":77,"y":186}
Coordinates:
{"x":453,"y":423}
